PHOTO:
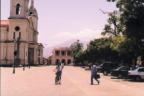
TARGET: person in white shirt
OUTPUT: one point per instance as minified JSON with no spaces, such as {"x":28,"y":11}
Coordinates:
{"x":94,"y":74}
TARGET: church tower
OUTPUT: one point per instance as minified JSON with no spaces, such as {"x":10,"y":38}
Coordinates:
{"x":19,"y":29}
{"x":33,"y":18}
{"x":20,"y":35}
{"x":32,"y":10}
{"x":18,"y":8}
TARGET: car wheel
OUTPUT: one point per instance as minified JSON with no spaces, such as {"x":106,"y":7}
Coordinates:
{"x":119,"y":76}
{"x":138,"y":78}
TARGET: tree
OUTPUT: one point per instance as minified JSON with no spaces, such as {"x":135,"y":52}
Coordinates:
{"x":115,"y":26}
{"x":100,"y":50}
{"x":132,"y":15}
{"x":117,"y":41}
{"x":77,"y":49}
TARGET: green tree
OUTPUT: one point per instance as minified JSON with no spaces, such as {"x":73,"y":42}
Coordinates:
{"x":117,"y":41}
{"x":100,"y":50}
{"x":115,"y":25}
{"x":77,"y":50}
{"x":132,"y":15}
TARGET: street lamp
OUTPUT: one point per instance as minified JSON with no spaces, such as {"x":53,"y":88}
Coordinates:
{"x":16,"y":51}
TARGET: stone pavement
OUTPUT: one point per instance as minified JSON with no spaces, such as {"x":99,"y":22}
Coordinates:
{"x":39,"y":81}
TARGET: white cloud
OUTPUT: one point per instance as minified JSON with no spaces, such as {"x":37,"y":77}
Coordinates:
{"x":61,"y":37}
{"x":66,"y":38}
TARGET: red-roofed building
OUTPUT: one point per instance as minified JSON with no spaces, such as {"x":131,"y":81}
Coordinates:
{"x":4,"y":23}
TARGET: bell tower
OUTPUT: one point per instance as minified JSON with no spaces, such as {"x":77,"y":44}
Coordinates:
{"x":32,"y":10}
{"x":18,"y":9}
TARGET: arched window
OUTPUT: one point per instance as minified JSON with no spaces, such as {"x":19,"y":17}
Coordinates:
{"x":57,"y":53}
{"x":69,"y":61}
{"x":68,"y":53}
{"x":30,"y":13}
{"x":57,"y":61}
{"x":18,"y":9}
{"x":63,"y":53}
{"x":63,"y":61}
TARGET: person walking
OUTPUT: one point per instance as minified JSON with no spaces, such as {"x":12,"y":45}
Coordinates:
{"x":61,"y":69}
{"x":58,"y":73}
{"x":94,"y":74}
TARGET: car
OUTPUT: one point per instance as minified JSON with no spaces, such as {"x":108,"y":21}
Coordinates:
{"x":120,"y":72}
{"x":106,"y":67}
{"x":137,"y":74}
{"x":99,"y":68}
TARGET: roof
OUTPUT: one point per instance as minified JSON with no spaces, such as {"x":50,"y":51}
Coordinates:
{"x":4,"y":23}
{"x":62,"y":48}
{"x":40,"y":44}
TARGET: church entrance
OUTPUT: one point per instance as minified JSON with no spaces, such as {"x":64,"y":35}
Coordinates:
{"x":30,"y":56}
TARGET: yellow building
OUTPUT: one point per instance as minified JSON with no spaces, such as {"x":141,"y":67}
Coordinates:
{"x":19,"y":35}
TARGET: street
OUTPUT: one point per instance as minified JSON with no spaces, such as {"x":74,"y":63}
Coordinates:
{"x":39,"y":81}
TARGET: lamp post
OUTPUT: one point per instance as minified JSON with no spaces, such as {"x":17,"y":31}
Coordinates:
{"x":24,"y":60}
{"x":16,"y":52}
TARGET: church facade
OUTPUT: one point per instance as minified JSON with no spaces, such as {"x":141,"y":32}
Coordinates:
{"x":19,"y":35}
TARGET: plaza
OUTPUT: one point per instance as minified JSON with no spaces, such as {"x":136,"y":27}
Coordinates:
{"x":39,"y":81}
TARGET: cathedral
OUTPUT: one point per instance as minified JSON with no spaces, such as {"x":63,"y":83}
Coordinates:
{"x":19,"y":35}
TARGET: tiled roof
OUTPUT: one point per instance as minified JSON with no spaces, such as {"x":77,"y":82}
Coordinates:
{"x":4,"y":23}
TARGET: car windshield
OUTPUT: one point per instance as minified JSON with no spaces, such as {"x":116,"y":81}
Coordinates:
{"x":121,"y":67}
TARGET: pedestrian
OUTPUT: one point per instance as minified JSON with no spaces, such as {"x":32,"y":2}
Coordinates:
{"x":59,"y":68}
{"x":94,"y":74}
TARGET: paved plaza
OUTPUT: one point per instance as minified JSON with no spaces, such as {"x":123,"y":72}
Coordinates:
{"x":39,"y":81}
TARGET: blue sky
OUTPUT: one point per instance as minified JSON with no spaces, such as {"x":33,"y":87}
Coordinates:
{"x":62,"y":22}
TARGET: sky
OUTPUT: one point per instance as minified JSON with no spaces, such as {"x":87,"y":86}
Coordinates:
{"x":62,"y":22}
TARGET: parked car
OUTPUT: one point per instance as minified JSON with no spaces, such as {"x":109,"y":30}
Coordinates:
{"x":121,"y":72}
{"x":106,"y":68}
{"x":99,"y":68}
{"x":137,"y":74}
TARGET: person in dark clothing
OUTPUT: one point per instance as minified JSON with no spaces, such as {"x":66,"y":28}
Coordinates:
{"x":58,"y":73}
{"x":94,"y":74}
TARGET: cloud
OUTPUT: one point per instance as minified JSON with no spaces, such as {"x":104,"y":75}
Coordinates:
{"x":66,"y":38}
{"x":61,"y":37}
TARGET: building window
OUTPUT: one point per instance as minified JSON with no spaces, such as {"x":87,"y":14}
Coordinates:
{"x":17,"y":28}
{"x":30,"y":13}
{"x":69,"y":61}
{"x":57,"y":61}
{"x":18,"y":9}
{"x":57,"y":53}
{"x":38,"y":52}
{"x":68,"y":53}
{"x":63,"y":61}
{"x":63,"y":53}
